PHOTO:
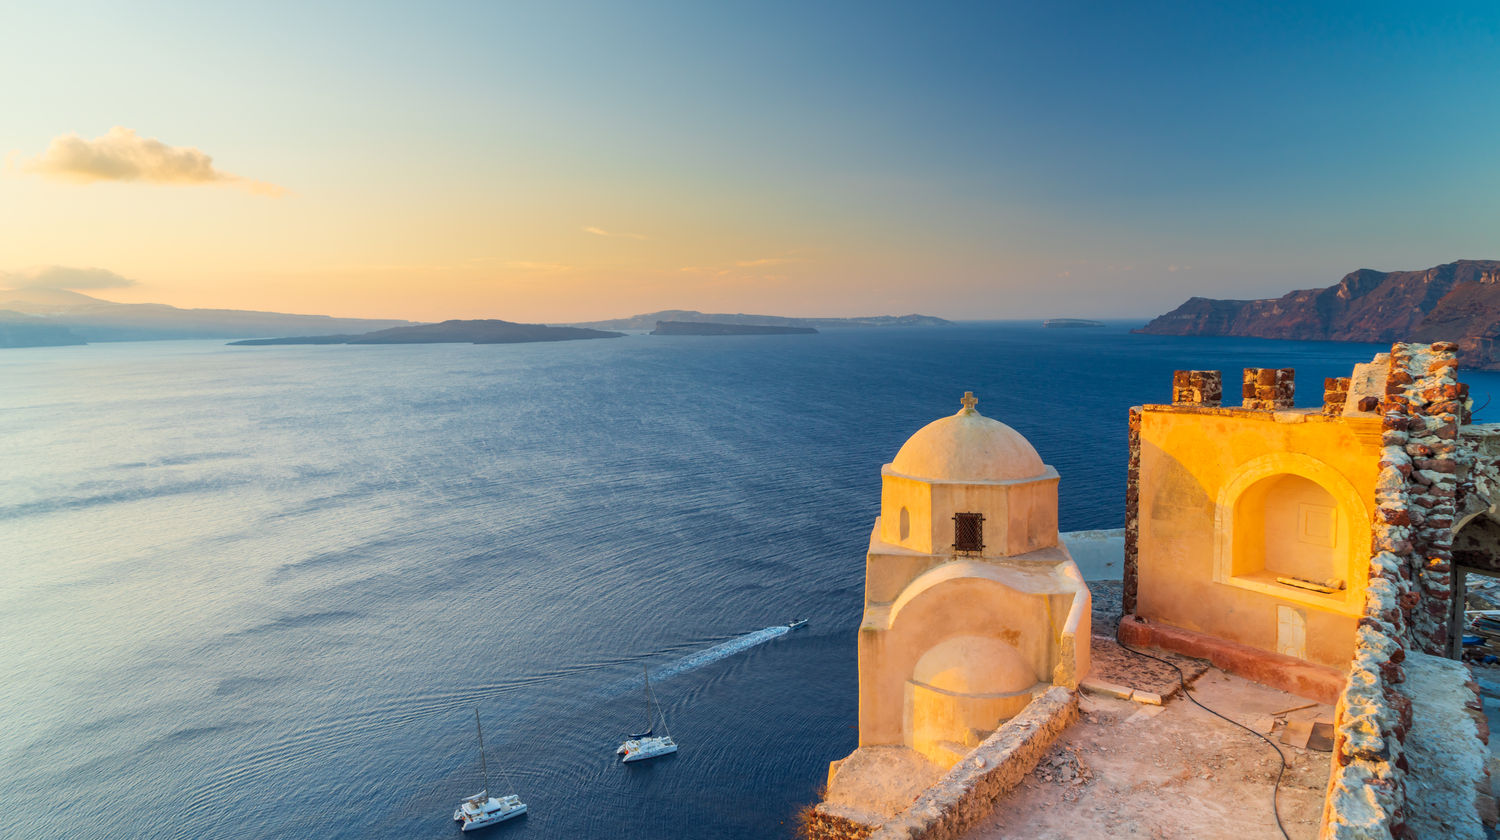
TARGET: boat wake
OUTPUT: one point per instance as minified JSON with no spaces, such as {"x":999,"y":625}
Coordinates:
{"x":694,"y":661}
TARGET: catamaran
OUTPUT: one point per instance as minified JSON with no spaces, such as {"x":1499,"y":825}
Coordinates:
{"x":482,"y":810}
{"x":644,"y":745}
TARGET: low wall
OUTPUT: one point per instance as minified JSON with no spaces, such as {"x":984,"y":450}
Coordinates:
{"x":969,"y":792}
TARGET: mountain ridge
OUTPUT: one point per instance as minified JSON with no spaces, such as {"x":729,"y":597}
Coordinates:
{"x":1457,"y":301}
{"x":92,"y":319}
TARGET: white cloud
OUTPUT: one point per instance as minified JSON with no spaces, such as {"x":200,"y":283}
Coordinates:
{"x":611,"y":234}
{"x":63,"y":277}
{"x":123,"y":155}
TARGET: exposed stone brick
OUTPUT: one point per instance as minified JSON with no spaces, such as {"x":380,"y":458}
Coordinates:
{"x":1197,"y":387}
{"x":1132,"y":510}
{"x":1269,"y":389}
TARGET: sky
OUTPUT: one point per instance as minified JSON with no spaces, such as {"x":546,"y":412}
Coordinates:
{"x":562,"y":161}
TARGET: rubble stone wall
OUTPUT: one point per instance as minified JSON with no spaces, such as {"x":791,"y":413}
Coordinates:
{"x":1132,"y":512}
{"x":968,"y":793}
{"x":1409,"y":596}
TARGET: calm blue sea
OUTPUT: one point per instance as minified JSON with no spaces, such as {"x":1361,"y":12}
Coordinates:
{"x":258,"y":592}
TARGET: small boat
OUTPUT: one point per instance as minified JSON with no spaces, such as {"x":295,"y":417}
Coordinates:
{"x":642,"y":746}
{"x":482,"y":810}
{"x":793,"y":625}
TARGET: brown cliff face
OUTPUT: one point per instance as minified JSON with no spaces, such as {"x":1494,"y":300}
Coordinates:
{"x":1459,"y":301}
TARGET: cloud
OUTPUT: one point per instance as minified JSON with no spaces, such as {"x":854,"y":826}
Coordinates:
{"x":602,"y":232}
{"x":545,"y":267}
{"x":62,"y":277}
{"x":766,"y":261}
{"x":123,"y":155}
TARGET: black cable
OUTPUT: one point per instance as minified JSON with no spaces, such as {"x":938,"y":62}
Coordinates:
{"x":1182,"y":684}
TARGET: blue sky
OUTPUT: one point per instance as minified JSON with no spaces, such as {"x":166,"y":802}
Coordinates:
{"x":975,"y":160}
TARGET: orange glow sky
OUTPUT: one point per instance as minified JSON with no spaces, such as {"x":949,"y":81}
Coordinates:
{"x":572,"y":161}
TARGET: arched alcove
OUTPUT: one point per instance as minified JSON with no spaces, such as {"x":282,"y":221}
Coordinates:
{"x":1287,"y":526}
{"x":1290,"y":526}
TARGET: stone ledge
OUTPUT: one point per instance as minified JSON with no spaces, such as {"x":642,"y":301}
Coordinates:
{"x":969,"y":792}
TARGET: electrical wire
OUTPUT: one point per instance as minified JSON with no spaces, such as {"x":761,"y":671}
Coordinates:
{"x":1182,"y":684}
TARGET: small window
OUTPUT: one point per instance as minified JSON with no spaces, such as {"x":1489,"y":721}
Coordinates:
{"x":968,"y":532}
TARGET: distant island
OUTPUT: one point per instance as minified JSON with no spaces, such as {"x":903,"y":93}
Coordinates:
{"x":1457,"y":301}
{"x":88,"y":319}
{"x":1067,"y":323}
{"x":708,"y":328}
{"x":18,"y":329}
{"x":486,"y":331}
{"x":649,"y":320}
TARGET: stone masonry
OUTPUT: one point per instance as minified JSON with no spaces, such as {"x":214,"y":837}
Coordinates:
{"x":1197,"y":387}
{"x":1409,"y":596}
{"x":1269,"y":389}
{"x":1132,"y":512}
{"x":1335,"y":394}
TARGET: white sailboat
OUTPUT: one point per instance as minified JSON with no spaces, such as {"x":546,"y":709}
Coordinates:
{"x":482,"y":810}
{"x":645,"y":745}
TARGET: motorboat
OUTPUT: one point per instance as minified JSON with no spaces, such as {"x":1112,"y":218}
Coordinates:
{"x":793,"y":625}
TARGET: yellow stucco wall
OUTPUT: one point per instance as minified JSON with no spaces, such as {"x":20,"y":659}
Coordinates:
{"x":1020,"y":516}
{"x":1231,"y":499}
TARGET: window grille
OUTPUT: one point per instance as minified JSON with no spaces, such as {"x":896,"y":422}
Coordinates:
{"x":968,"y":532}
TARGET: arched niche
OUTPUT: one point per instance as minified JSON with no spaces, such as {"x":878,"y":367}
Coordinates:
{"x":1287,"y":523}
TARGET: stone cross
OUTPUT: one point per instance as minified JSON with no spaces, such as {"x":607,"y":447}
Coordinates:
{"x":969,"y":401}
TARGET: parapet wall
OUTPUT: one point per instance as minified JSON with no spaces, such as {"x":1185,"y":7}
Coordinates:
{"x":1410,"y":593}
{"x":970,"y":790}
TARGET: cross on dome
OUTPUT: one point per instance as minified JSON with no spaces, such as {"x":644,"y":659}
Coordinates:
{"x":969,"y":401}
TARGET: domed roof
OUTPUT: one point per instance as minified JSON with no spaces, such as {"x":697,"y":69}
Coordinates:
{"x":968,"y":447}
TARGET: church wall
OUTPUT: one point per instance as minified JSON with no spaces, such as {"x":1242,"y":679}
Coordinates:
{"x":1189,"y":458}
{"x":1018,"y":516}
{"x":954,"y":607}
{"x":900,"y":494}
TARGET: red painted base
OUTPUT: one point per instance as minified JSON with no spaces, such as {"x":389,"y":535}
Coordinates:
{"x":1304,"y":679}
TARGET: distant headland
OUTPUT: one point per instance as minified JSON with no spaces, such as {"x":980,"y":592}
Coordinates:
{"x":40,"y":317}
{"x":1068,"y":323}
{"x":48,"y":317}
{"x":710,"y":328}
{"x":650,"y":320}
{"x":1457,"y":301}
{"x":485,"y":331}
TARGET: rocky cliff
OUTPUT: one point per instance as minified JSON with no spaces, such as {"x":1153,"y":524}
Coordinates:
{"x":1458,"y":301}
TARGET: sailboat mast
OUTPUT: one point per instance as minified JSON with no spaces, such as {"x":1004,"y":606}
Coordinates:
{"x":483,"y":765}
{"x":650,"y":707}
{"x":655,"y":709}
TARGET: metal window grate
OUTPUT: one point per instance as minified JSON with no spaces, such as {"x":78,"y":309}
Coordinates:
{"x":968,"y":532}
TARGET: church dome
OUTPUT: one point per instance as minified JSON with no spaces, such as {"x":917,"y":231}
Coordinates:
{"x":968,"y":447}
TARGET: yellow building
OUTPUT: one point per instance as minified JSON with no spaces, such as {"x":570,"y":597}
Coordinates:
{"x":1248,"y":540}
{"x":971,"y":604}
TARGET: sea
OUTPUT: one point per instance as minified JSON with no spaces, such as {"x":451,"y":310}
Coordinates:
{"x":260,"y":592}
